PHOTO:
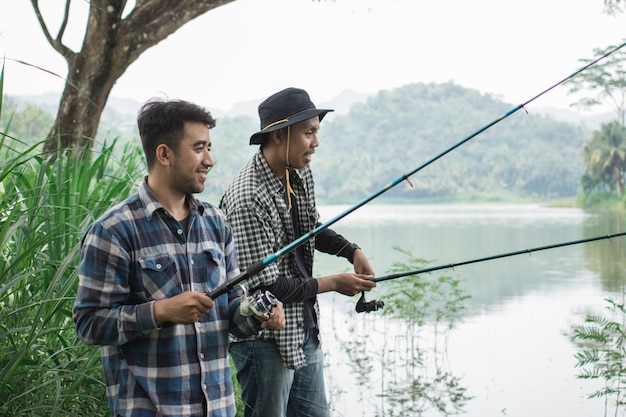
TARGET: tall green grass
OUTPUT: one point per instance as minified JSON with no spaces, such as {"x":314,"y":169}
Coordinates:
{"x":46,"y":205}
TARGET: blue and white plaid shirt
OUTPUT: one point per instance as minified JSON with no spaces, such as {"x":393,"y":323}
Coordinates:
{"x":135,"y":254}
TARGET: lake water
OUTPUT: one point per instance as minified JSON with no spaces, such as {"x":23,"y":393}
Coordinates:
{"x":512,"y":351}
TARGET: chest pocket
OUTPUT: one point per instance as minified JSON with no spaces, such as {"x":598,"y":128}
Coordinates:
{"x":276,"y":222}
{"x":214,"y":269}
{"x":159,"y":276}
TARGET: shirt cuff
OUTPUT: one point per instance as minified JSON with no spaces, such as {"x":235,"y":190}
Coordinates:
{"x":348,"y":251}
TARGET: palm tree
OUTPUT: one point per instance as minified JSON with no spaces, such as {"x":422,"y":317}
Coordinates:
{"x":605,"y":156}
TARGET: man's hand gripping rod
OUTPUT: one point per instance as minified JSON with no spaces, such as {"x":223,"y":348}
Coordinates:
{"x":258,"y":304}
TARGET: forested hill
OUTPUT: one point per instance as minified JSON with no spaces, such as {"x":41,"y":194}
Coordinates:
{"x":526,"y":156}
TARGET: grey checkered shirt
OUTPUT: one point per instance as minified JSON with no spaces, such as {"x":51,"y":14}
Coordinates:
{"x":261,"y":223}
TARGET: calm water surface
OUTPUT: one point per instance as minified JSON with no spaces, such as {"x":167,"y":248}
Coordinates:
{"x":511,"y":351}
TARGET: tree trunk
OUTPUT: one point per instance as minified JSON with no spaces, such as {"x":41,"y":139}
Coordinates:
{"x":617,"y":175}
{"x":110,"y":46}
{"x":80,"y":108}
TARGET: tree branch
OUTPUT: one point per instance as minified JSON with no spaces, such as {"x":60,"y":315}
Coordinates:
{"x":56,"y":43}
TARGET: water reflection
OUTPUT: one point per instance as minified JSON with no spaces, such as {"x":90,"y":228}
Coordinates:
{"x":608,"y":261}
{"x":512,"y":350}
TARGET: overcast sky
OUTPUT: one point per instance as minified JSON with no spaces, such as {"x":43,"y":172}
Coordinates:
{"x":249,"y":49}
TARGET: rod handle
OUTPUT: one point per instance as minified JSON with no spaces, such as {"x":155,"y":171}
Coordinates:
{"x":229,"y":285}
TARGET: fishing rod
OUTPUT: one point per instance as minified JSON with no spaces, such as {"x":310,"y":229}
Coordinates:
{"x":368,"y":306}
{"x":261,"y":265}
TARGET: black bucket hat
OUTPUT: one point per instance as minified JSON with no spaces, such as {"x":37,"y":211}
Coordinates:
{"x":285,"y":108}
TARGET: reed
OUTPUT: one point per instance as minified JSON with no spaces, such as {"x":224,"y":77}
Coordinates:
{"x":46,"y":205}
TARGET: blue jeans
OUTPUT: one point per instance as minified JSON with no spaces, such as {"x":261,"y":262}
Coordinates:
{"x":269,"y":389}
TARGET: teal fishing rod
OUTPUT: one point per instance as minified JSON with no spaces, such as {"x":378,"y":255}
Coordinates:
{"x":261,"y":265}
{"x":368,"y":306}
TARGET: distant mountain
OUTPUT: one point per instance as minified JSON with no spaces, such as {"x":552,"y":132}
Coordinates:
{"x":344,"y":101}
{"x":244,"y":108}
{"x":118,"y":108}
{"x":592,"y":122}
{"x":46,"y":101}
{"x":341,"y":104}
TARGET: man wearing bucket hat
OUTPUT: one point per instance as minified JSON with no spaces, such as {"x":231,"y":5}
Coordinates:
{"x":270,"y":203}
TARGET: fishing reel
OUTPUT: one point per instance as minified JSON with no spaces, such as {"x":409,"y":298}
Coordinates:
{"x":260,"y":303}
{"x":368,"y":306}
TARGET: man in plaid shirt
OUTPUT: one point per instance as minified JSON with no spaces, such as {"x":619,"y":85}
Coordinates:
{"x":270,"y":203}
{"x":146,"y":268}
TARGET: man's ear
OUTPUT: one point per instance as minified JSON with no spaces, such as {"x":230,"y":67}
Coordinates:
{"x":163,"y":154}
{"x":283,"y":134}
{"x":276,"y":136}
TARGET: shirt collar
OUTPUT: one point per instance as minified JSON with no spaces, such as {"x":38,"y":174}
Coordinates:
{"x":152,"y":204}
{"x":268,"y":175}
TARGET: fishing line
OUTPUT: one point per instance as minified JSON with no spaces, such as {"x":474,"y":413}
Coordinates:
{"x":259,"y":266}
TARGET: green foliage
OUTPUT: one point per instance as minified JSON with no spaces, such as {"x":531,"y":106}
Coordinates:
{"x":606,"y":80}
{"x":31,"y":124}
{"x":599,"y":199}
{"x":420,"y":299}
{"x":613,"y":7}
{"x":45,"y":207}
{"x":602,"y":353}
{"x":604,"y":155}
{"x":399,"y":355}
{"x":231,"y":151}
{"x":528,"y":156}
{"x":237,"y":389}
{"x":428,"y":308}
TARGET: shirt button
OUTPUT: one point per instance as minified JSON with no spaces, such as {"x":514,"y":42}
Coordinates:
{"x":158,"y":266}
{"x":193,"y":262}
{"x":179,"y":231}
{"x":201,"y":355}
{"x":204,"y":386}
